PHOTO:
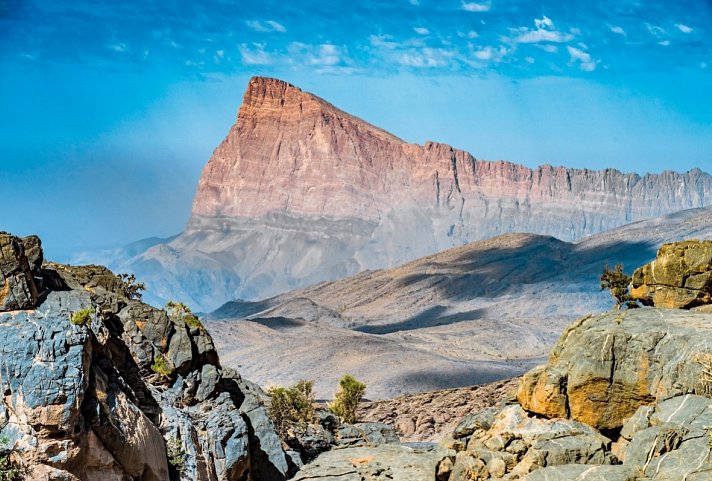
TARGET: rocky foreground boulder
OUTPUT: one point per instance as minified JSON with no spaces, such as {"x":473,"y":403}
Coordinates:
{"x":625,"y":396}
{"x":680,"y":277}
{"x":99,"y":386}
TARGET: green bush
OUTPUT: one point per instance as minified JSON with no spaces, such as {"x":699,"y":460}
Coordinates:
{"x":617,"y":282}
{"x":82,"y":316}
{"x":179,"y":311}
{"x":292,"y":407}
{"x":133,"y":289}
{"x":9,"y":471}
{"x":176,"y":455}
{"x":347,"y":398}
{"x":160,"y":366}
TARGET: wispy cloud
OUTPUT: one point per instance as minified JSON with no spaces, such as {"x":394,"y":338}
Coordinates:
{"x":494,"y":54}
{"x":266,"y":27}
{"x":586,"y":62}
{"x":255,"y":54}
{"x":544,"y":32}
{"x":421,"y":30}
{"x":476,"y":7}
{"x":427,"y":57}
{"x":617,"y":29}
{"x":684,"y":28}
{"x":119,"y":47}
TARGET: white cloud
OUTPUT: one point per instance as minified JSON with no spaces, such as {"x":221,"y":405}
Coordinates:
{"x":529,"y":59}
{"x":118,"y":47}
{"x":255,"y":54}
{"x":266,"y":27}
{"x":587,"y":63}
{"x":322,"y":55}
{"x":383,"y":41}
{"x":426,"y":57}
{"x":414,"y":2}
{"x":421,"y":30}
{"x":476,"y":7}
{"x":655,"y":30}
{"x":490,"y":53}
{"x":544,"y":32}
{"x":618,"y":30}
{"x":664,"y":43}
{"x":684,"y":28}
{"x":544,"y":22}
{"x":549,"y":48}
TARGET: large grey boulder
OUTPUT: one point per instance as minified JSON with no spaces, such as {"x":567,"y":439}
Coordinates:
{"x":604,"y":367}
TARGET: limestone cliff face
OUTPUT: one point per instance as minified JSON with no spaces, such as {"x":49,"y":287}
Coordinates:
{"x":291,"y":152}
{"x":300,"y":192}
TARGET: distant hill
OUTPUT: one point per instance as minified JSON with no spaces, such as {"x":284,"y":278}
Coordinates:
{"x":483,"y":311}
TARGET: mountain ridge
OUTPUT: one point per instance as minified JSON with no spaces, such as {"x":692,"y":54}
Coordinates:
{"x":301,"y":192}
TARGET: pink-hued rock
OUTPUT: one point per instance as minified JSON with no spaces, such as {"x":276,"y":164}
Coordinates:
{"x":293,"y":152}
{"x":301,"y":192}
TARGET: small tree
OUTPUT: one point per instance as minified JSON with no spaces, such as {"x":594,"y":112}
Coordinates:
{"x":133,"y":289}
{"x":347,"y":398}
{"x":292,"y":407}
{"x":9,"y":470}
{"x":178,"y":310}
{"x":618,"y":282}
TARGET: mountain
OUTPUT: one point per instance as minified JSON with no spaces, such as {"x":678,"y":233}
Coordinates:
{"x":476,"y":313}
{"x":301,"y":192}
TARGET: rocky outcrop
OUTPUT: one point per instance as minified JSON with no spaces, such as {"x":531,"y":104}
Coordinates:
{"x":680,"y":277}
{"x":122,"y":392}
{"x":603,"y":368}
{"x":17,"y":288}
{"x":510,"y":444}
{"x":389,"y":462}
{"x":432,"y":415}
{"x":300,"y":192}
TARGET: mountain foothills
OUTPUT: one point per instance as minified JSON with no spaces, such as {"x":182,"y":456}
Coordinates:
{"x":476,"y":313}
{"x":301,"y":192}
{"x":98,"y":385}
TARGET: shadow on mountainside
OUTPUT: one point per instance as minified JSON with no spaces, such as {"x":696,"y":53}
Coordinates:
{"x":431,"y":317}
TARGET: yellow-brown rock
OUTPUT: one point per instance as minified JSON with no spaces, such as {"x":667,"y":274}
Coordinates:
{"x":680,"y":277}
{"x":603,"y":368}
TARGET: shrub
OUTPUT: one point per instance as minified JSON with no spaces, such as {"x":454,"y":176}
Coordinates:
{"x":133,"y":289}
{"x":9,"y":471}
{"x":347,"y":398}
{"x":617,"y":282}
{"x":82,"y":316}
{"x":176,"y":456}
{"x":292,"y":407}
{"x":161,"y":367}
{"x":179,"y":311}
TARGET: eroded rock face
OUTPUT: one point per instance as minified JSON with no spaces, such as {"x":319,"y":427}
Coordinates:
{"x":680,"y":277}
{"x":603,"y":368}
{"x":17,"y":287}
{"x":88,"y":402}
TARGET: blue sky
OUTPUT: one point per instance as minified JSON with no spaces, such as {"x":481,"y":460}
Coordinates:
{"x":111,"y":109}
